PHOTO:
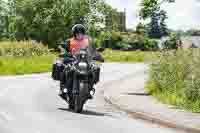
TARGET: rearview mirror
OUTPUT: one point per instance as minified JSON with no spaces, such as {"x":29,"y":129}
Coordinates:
{"x":98,"y":57}
{"x":100,"y":49}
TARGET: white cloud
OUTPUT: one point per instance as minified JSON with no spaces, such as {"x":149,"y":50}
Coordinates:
{"x":182,"y":14}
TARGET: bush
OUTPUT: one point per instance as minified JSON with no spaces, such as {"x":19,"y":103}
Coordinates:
{"x":150,"y":44}
{"x":171,"y":43}
{"x":122,"y":46}
{"x":22,"y":48}
{"x":100,"y":40}
{"x":117,"y":41}
{"x":116,"y":37}
{"x":109,"y":40}
{"x":175,"y":79}
{"x":141,"y":42}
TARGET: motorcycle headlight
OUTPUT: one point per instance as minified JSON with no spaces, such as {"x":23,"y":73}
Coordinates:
{"x":83,"y":56}
{"x":82,"y":65}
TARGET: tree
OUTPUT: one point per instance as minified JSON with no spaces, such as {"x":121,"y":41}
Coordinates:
{"x":10,"y":15}
{"x":154,"y":29}
{"x":3,"y":19}
{"x":163,"y":25}
{"x":51,"y":21}
{"x":99,"y":10}
{"x":150,"y":9}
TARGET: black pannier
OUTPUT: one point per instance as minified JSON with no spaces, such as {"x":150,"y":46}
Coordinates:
{"x":96,"y":71}
{"x":57,"y":69}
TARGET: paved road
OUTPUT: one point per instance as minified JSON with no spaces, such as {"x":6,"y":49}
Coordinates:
{"x":29,"y":104}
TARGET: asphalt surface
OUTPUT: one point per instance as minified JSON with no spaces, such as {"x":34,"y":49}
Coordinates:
{"x":30,"y":104}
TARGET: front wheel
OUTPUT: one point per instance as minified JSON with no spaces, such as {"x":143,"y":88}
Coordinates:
{"x":71,"y":104}
{"x":78,"y":107}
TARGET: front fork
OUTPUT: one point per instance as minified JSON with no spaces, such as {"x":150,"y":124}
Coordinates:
{"x":75,"y":89}
{"x":77,"y":84}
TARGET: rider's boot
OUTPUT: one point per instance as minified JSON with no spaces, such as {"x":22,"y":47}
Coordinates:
{"x":62,"y":86}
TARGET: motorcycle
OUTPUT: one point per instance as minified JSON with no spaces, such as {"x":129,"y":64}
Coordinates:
{"x":81,"y":73}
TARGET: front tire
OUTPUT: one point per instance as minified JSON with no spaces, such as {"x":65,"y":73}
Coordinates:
{"x":78,"y":108}
{"x":71,"y":106}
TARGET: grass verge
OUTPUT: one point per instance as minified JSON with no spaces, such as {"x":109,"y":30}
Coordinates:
{"x":18,"y":65}
{"x":175,"y":79}
{"x":125,"y":56}
{"x":25,"y":65}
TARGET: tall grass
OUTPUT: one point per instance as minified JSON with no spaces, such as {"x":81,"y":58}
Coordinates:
{"x":24,"y":57}
{"x":175,"y":79}
{"x":25,"y":65}
{"x":22,"y":48}
{"x":123,"y":56}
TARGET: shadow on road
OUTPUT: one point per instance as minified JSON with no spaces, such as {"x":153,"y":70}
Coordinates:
{"x":137,"y":94}
{"x":85,"y":112}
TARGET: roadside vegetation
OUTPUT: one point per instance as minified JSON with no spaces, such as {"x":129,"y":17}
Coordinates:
{"x":137,"y":56}
{"x":22,"y":48}
{"x":174,"y":74}
{"x":25,"y":65}
{"x":24,"y":57}
{"x":28,"y":57}
{"x":130,"y":41}
{"x":123,"y":56}
{"x":175,"y":79}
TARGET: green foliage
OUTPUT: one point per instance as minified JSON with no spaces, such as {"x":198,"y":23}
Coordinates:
{"x":141,"y":29}
{"x":174,"y":79}
{"x":150,"y":9}
{"x":3,"y":12}
{"x":109,"y":39}
{"x":122,"y":46}
{"x":51,"y":21}
{"x":163,"y":26}
{"x":140,"y":42}
{"x":123,"y":56}
{"x":95,"y":19}
{"x":171,"y":43}
{"x":116,"y":37}
{"x":118,"y":41}
{"x":44,"y":20}
{"x":10,"y":65}
{"x":23,"y":48}
{"x":101,"y":39}
{"x":154,"y":30}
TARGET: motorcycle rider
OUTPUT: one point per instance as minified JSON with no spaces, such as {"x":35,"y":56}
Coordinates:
{"x":72,"y":46}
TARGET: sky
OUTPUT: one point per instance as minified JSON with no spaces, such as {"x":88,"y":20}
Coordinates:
{"x":183,"y":14}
